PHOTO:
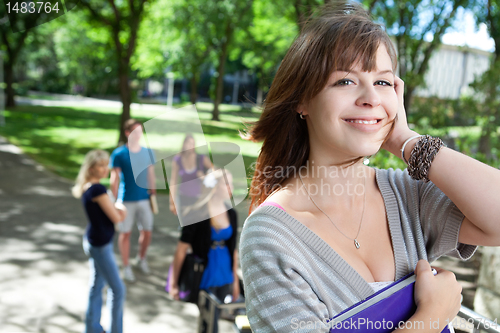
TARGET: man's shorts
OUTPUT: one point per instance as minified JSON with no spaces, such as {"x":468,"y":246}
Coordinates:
{"x":139,"y":211}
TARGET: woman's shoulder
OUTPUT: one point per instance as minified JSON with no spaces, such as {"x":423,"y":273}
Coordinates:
{"x":119,"y":150}
{"x":268,"y":211}
{"x":96,"y":189}
{"x":269,"y":220}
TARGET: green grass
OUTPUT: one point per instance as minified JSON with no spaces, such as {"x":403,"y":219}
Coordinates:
{"x":59,"y":137}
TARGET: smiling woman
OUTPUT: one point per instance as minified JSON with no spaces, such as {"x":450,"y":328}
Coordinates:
{"x":325,"y":230}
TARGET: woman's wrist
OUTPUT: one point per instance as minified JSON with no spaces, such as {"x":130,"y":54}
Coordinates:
{"x":395,"y":144}
{"x":408,"y":146}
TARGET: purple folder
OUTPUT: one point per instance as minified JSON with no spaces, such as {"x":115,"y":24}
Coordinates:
{"x":382,"y":312}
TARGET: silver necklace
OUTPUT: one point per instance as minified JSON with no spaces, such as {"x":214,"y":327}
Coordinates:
{"x":355,"y":239}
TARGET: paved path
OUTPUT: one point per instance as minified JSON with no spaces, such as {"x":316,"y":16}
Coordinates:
{"x":43,"y":270}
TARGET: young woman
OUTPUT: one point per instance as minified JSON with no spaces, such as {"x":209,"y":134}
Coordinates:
{"x":98,"y":242}
{"x":327,"y":231}
{"x":190,"y":167}
{"x":213,"y":239}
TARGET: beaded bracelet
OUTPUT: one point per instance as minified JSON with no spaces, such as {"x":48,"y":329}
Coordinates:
{"x":422,"y":155}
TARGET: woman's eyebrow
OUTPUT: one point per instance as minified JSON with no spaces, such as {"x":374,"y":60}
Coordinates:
{"x":350,"y":71}
{"x":387,"y":71}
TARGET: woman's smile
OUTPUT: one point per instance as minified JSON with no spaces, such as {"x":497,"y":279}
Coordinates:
{"x":368,"y":125}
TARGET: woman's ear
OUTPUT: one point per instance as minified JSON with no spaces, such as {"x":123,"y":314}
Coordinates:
{"x":302,"y":109}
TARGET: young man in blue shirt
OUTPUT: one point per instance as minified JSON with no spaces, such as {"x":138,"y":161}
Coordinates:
{"x":133,"y":192}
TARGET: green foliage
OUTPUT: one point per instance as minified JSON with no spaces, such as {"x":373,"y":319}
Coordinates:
{"x":268,"y":38}
{"x":85,"y":56}
{"x":157,"y":42}
{"x":433,"y":112}
{"x":486,"y":101}
{"x":488,"y":12}
{"x":385,"y":160}
{"x":198,"y":24}
{"x":13,"y":35}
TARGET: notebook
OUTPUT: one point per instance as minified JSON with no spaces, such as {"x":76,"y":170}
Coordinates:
{"x":383,"y":311}
{"x":154,"y":203}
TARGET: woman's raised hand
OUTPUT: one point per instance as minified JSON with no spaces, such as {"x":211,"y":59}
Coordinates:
{"x":401,"y":131}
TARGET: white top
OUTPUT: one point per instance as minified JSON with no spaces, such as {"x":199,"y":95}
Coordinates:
{"x":376,"y":286}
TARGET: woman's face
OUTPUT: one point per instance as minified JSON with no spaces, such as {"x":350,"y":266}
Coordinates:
{"x":188,"y":145}
{"x":350,"y":116}
{"x":100,"y":169}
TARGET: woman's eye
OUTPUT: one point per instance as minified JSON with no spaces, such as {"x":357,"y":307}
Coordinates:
{"x":383,"y":83}
{"x":344,"y":82}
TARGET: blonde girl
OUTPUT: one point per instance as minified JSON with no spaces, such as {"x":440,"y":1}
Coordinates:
{"x":98,"y":242}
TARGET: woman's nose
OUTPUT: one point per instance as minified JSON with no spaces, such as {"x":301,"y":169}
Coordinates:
{"x":369,"y":97}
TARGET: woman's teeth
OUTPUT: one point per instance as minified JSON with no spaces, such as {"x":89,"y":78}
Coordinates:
{"x":367,"y":122}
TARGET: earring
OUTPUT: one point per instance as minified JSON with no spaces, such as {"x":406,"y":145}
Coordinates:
{"x":301,"y":115}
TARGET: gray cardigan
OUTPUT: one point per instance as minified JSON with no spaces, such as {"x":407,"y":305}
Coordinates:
{"x":294,"y":281}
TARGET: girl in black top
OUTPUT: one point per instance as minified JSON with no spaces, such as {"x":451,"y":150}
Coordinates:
{"x":98,"y":242}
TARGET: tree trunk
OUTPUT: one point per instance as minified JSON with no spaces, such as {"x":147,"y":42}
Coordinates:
{"x":9,"y":80}
{"x":485,"y":143}
{"x":194,"y":88}
{"x":125,"y":92}
{"x":408,"y":97}
{"x":489,"y":126}
{"x":260,"y":85}
{"x":219,"y":87}
{"x":260,"y":95}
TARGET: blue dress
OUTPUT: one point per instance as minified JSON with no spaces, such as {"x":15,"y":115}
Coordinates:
{"x":218,"y":271}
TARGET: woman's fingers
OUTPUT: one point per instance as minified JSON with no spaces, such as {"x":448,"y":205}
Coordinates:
{"x":437,"y":295}
{"x":399,"y":86}
{"x":423,"y":266}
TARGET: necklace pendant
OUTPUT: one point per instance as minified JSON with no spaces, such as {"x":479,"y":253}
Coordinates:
{"x":356,"y":243}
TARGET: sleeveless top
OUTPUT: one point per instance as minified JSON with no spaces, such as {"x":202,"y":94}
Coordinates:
{"x":190,"y":185}
{"x":218,"y":271}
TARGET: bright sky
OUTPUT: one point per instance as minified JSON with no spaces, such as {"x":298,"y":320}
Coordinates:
{"x":466,"y":33}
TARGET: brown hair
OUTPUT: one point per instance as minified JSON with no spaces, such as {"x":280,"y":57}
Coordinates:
{"x":341,"y":36}
{"x":188,"y":136}
{"x":127,"y":126}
